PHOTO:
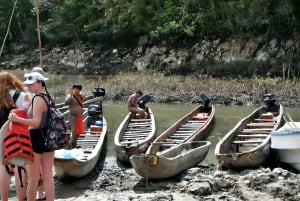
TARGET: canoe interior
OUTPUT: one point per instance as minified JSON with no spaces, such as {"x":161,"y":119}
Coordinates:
{"x":248,"y":144}
{"x":193,"y":126}
{"x":252,"y":131}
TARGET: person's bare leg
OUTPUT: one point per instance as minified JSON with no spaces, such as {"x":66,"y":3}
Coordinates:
{"x":21,"y":190}
{"x":4,"y":183}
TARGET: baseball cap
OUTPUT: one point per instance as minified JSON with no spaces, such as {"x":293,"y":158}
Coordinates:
{"x":30,"y":78}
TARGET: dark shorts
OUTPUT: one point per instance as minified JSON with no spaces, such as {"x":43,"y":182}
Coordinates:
{"x":37,"y":140}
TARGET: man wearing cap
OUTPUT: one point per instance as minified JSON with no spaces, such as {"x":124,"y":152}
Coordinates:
{"x":75,"y":102}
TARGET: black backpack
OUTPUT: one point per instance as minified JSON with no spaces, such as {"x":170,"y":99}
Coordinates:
{"x":4,"y":112}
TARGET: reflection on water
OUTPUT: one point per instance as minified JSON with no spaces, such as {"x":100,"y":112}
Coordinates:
{"x":167,"y":114}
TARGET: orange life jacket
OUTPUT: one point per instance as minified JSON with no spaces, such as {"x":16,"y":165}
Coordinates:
{"x":17,"y":143}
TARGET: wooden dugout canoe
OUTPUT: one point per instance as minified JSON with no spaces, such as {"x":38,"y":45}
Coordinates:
{"x":171,"y":161}
{"x":248,"y":144}
{"x":134,"y":136}
{"x":165,"y":156}
{"x":80,"y":161}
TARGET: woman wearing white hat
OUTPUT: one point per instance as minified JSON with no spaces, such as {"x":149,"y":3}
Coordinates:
{"x":36,"y":120}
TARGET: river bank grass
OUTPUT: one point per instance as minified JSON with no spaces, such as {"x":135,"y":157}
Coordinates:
{"x":167,"y":89}
{"x":178,"y":89}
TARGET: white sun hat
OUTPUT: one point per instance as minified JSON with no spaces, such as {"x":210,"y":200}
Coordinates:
{"x":33,"y":77}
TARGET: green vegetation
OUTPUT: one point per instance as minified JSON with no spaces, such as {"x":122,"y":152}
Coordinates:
{"x":163,"y":20}
{"x":171,"y":22}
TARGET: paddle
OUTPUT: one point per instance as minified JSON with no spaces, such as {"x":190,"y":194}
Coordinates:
{"x":290,"y":121}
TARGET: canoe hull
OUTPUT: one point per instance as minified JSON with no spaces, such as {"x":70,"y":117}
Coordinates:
{"x":91,"y":145}
{"x":253,"y":149}
{"x":172,"y":161}
{"x":134,"y":136}
{"x":179,"y":147}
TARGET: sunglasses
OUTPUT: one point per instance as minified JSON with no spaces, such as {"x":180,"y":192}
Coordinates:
{"x":30,"y":78}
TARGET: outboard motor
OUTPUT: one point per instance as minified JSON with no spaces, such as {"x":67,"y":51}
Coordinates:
{"x":143,"y":100}
{"x":206,"y":99}
{"x":98,"y":91}
{"x":270,"y":103}
{"x":95,"y":111}
{"x":269,"y":99}
{"x":94,"y":114}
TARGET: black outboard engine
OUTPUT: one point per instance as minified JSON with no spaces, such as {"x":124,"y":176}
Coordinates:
{"x":95,"y":111}
{"x":270,"y":103}
{"x":98,"y":91}
{"x":206,"y":99}
{"x":269,"y":99}
{"x":94,"y":114}
{"x":143,"y":100}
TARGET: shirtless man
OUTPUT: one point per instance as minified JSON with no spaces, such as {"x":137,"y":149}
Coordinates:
{"x":133,"y":106}
{"x":75,"y":103}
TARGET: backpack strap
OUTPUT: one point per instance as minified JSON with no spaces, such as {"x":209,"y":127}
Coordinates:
{"x":48,"y":100}
{"x":8,"y":170}
{"x":16,"y":96}
{"x":20,"y":168}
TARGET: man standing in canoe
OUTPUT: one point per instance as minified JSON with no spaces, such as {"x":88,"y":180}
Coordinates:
{"x":75,"y":103}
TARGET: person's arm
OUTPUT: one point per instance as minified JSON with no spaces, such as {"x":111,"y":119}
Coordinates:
{"x":129,"y":102}
{"x":39,"y":106}
{"x":69,"y":96}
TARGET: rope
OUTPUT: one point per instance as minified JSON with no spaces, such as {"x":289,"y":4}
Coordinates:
{"x":8,"y":28}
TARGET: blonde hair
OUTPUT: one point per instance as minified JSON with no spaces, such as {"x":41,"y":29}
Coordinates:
{"x":9,"y":81}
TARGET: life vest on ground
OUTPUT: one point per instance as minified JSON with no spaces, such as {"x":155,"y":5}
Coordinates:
{"x":17,"y":144}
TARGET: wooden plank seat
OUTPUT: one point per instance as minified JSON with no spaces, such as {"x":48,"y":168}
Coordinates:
{"x":138,"y":129}
{"x":255,"y":132}
{"x":130,"y":142}
{"x":139,"y":120}
{"x":265,"y":120}
{"x":261,"y":124}
{"x":133,"y":137}
{"x":181,"y":134}
{"x":196,"y":121}
{"x":187,"y":128}
{"x":177,"y":137}
{"x":87,"y":141}
{"x":139,"y":125}
{"x":247,"y":142}
{"x":135,"y":134}
{"x":191,"y":125}
{"x":184,"y":131}
{"x":258,"y":129}
{"x":253,"y":135}
{"x":92,"y":132}
{"x":88,"y":138}
{"x":135,"y":131}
